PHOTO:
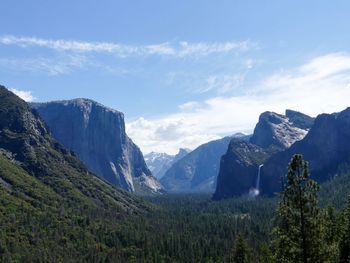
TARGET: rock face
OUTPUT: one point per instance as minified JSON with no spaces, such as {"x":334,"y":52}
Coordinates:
{"x":26,"y":143}
{"x":198,"y":170}
{"x":159,"y":163}
{"x":326,"y":147}
{"x":239,"y":167}
{"x":281,"y":131}
{"x":97,"y":135}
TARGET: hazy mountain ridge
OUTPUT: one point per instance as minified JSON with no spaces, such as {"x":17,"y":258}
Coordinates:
{"x":198,"y":170}
{"x":159,"y":163}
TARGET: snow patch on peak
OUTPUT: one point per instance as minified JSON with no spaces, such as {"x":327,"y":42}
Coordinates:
{"x":153,"y":156}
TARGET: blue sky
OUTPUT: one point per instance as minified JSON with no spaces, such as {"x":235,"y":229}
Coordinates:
{"x":183,"y":72}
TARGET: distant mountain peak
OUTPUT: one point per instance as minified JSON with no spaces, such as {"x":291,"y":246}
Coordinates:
{"x":279,"y":130}
{"x":299,"y":119}
{"x":326,"y":148}
{"x":273,"y":133}
{"x":182,"y":152}
{"x":197,"y":171}
{"x":159,"y":163}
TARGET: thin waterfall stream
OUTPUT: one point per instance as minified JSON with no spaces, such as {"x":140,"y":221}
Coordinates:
{"x":258,"y":178}
{"x":255,"y":191}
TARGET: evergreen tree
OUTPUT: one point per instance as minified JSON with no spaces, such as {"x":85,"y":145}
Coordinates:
{"x":265,"y":254}
{"x":297,"y":236}
{"x":345,"y":242}
{"x":241,"y":253}
{"x":331,"y":233}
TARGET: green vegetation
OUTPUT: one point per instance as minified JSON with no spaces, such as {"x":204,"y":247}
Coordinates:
{"x":304,"y":231}
{"x":38,"y":226}
{"x":53,"y":210}
{"x":241,"y":253}
{"x":298,"y":234}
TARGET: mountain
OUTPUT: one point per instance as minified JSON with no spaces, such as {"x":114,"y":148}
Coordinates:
{"x":26,"y":143}
{"x":326,"y":147}
{"x":97,"y":135}
{"x":159,"y":163}
{"x":198,"y":170}
{"x":281,"y":131}
{"x":241,"y":165}
{"x":48,"y":198}
{"x":239,"y":169}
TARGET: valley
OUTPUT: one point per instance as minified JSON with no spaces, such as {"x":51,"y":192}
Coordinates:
{"x":174,"y":131}
{"x":53,"y":208}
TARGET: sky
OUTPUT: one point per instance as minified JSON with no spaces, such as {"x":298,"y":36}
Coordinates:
{"x":183,"y":72}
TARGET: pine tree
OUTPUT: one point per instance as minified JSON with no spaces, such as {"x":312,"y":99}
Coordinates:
{"x":331,"y":233}
{"x":345,"y":242}
{"x":265,"y":254}
{"x":297,"y":236}
{"x":241,"y":253}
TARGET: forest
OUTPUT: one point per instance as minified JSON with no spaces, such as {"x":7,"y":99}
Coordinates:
{"x":304,"y":223}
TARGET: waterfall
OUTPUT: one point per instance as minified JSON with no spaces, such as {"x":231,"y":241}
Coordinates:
{"x":258,"y":179}
{"x":255,"y":191}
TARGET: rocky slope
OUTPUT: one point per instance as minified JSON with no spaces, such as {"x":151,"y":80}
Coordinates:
{"x":239,"y":167}
{"x":281,"y":131}
{"x":198,"y":170}
{"x":26,"y":144}
{"x":97,"y":135}
{"x":159,"y":163}
{"x":326,"y":147}
{"x":52,"y":209}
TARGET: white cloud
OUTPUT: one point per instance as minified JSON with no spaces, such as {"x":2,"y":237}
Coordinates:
{"x":51,"y":66}
{"x":24,"y":95}
{"x":189,"y":105}
{"x":188,"y":49}
{"x":181,"y":49}
{"x":222,"y":84}
{"x":320,"y":85}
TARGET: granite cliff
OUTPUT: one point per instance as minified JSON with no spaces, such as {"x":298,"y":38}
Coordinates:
{"x":239,"y":167}
{"x":97,"y":135}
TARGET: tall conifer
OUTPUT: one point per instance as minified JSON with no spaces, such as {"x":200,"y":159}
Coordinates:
{"x":297,"y":236}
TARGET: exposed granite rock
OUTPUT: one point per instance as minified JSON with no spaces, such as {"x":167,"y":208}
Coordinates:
{"x":97,"y":135}
{"x":240,"y":165}
{"x":239,"y":169}
{"x":280,"y":131}
{"x":299,"y":119}
{"x":25,"y":142}
{"x":326,"y":147}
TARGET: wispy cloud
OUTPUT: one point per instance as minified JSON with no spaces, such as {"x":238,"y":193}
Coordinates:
{"x":180,"y":49}
{"x":320,"y":85}
{"x":24,"y":94}
{"x":222,"y":84}
{"x":51,"y":66}
{"x":189,"y":105}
